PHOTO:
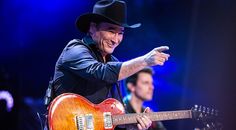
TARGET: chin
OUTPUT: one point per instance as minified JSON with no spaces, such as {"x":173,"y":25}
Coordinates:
{"x":109,"y":51}
{"x":148,"y":98}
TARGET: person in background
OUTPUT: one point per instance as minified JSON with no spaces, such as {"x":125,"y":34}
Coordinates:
{"x":140,"y":88}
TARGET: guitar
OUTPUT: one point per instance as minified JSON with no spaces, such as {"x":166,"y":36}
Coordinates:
{"x":73,"y":112}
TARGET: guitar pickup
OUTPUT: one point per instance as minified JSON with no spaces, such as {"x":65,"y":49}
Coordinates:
{"x":107,"y":120}
{"x":89,"y":122}
{"x":80,"y":122}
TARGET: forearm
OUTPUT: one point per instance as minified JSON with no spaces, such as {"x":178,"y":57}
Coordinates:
{"x":130,"y":67}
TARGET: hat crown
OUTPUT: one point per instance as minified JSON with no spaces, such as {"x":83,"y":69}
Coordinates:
{"x":112,"y":9}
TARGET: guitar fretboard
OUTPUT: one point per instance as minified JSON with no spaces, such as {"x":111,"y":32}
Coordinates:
{"x":154,"y":116}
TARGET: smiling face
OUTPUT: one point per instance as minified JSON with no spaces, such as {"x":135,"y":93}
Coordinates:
{"x":107,"y":36}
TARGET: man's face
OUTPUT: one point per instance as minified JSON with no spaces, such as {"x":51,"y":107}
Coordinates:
{"x":107,"y":36}
{"x":144,"y":86}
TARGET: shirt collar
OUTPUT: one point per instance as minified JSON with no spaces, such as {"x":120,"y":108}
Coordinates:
{"x":88,"y":40}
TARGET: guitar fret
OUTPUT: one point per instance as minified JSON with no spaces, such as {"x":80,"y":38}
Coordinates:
{"x":154,"y":116}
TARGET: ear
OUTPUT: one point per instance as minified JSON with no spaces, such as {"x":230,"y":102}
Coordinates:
{"x":131,"y":87}
{"x":92,"y":28}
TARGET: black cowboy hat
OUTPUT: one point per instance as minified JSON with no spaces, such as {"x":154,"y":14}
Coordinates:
{"x":111,"y":11}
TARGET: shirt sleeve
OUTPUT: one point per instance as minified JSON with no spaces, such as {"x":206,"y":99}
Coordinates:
{"x":79,"y":60}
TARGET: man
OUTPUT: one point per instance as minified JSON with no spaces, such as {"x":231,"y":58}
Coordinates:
{"x":86,"y":66}
{"x":140,"y":88}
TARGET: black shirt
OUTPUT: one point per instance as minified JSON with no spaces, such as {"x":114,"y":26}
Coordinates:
{"x":80,"y":69}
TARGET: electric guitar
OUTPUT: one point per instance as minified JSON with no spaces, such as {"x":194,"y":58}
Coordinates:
{"x":73,"y":112}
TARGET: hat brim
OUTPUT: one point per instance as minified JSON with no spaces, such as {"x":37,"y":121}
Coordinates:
{"x":83,"y":21}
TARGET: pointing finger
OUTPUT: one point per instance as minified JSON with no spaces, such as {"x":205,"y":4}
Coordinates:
{"x":162,"y":48}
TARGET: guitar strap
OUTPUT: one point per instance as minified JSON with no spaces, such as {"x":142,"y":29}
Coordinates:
{"x":50,"y":92}
{"x":119,"y":93}
{"x":49,"y":96}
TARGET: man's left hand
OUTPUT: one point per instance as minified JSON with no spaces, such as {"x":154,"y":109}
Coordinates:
{"x":143,"y":121}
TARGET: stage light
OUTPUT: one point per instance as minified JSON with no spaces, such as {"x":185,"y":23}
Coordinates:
{"x":5,"y":95}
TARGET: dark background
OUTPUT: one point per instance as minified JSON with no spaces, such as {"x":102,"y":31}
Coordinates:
{"x":201,"y":35}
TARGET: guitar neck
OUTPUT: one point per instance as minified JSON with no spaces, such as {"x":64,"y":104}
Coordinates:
{"x":154,"y":116}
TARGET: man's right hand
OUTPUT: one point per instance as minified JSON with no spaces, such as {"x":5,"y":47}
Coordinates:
{"x":156,"y":56}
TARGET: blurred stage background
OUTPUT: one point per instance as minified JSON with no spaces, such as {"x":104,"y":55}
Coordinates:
{"x":201,"y":35}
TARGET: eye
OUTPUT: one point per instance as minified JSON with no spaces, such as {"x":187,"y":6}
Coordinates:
{"x":111,"y":31}
{"x":121,"y":33}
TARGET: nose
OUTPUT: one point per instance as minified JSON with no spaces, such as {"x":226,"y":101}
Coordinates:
{"x":115,"y":38}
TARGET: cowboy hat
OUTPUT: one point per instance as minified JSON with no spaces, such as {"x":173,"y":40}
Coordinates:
{"x":111,"y":11}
